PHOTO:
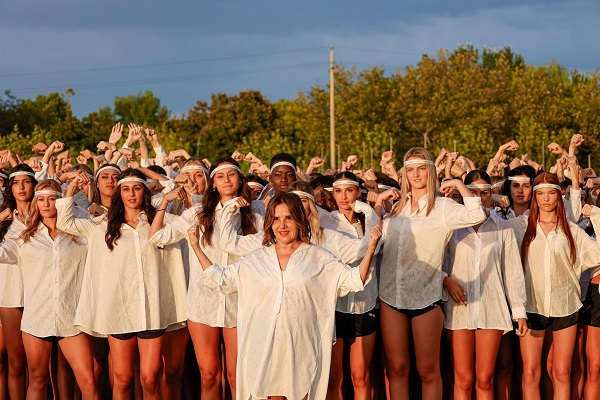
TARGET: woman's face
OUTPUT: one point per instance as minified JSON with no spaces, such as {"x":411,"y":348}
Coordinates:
{"x":345,"y":196}
{"x":547,"y":199}
{"x":22,"y":188}
{"x":106,"y":182}
{"x":132,"y":194}
{"x":305,"y":205}
{"x":255,"y":192}
{"x":417,"y":174}
{"x":197,"y":176}
{"x":520,"y":192}
{"x":484,"y":194}
{"x":227,"y":181}
{"x":455,"y":195}
{"x":282,"y":176}
{"x":46,"y":204}
{"x":284,"y":227}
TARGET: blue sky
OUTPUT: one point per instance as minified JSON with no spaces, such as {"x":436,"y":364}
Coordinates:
{"x":185,"y":50}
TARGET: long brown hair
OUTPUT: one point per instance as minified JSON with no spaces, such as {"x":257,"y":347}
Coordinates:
{"x":211,"y":198}
{"x":294,"y":204}
{"x":561,"y":216}
{"x":9,"y":198}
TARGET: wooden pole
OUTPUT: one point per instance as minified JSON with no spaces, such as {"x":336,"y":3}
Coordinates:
{"x":331,"y":108}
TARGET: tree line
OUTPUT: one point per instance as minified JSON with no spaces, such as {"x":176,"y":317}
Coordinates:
{"x":466,"y":98}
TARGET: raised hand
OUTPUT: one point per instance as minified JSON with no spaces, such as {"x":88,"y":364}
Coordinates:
{"x":39,"y":148}
{"x":116,"y":133}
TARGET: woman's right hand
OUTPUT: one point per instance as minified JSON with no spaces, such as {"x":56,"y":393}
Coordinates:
{"x":5,"y":215}
{"x":455,"y":291}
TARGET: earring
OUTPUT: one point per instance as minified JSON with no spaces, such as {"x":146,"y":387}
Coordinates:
{"x":214,"y":188}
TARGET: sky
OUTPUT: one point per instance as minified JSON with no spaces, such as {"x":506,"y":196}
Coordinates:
{"x":184,"y":51}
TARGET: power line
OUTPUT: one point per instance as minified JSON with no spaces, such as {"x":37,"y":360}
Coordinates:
{"x":162,"y":64}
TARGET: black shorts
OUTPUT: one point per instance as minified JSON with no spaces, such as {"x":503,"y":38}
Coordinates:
{"x":140,"y":335}
{"x":539,"y":322}
{"x":51,"y":339}
{"x":410,"y":314}
{"x":355,"y":325}
{"x":591,"y":306}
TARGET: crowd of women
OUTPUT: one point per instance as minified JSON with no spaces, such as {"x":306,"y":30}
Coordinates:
{"x":432,"y":280}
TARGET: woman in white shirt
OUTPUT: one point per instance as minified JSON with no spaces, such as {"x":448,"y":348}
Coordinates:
{"x":484,"y":269}
{"x":103,"y":188}
{"x":124,"y":293}
{"x":52,"y":265}
{"x":554,"y":253}
{"x":211,"y":314}
{"x":356,"y":319}
{"x":414,"y":240}
{"x":288,"y":291}
{"x":17,"y":197}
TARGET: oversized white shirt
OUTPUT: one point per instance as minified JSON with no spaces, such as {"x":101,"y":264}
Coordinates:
{"x":414,"y":247}
{"x":11,"y":279}
{"x":487,"y":265}
{"x":203,"y":305}
{"x":551,"y":279}
{"x":286,"y":319}
{"x":52,"y":276}
{"x":127,"y":289}
{"x":358,"y":302}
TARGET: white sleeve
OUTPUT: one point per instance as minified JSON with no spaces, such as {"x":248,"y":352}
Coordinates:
{"x":458,"y":216}
{"x":512,"y":271}
{"x":9,"y":252}
{"x":67,"y":223}
{"x":222,"y":280}
{"x":234,"y":243}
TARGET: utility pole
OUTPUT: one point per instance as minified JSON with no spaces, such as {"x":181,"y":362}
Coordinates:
{"x":331,"y":108}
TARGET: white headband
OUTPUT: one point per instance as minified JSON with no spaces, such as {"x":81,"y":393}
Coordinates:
{"x":329,"y":189}
{"x":519,"y":179}
{"x":482,"y":186}
{"x":193,"y":168}
{"x":256,"y":185}
{"x":546,"y":185}
{"x":21,"y":173}
{"x":3,"y":175}
{"x":139,"y":180}
{"x":107,"y":167}
{"x":301,"y":193}
{"x":495,"y":185}
{"x":280,"y":163}
{"x":224,"y":166}
{"x":345,"y":182}
{"x":385,"y":187}
{"x":418,"y":161}
{"x":51,"y":192}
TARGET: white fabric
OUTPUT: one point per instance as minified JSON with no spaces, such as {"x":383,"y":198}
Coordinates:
{"x":127,"y":289}
{"x":286,"y":319}
{"x":487,"y":265}
{"x":413,"y":249}
{"x":551,"y":280}
{"x":52,"y":275}
{"x":11,"y":279}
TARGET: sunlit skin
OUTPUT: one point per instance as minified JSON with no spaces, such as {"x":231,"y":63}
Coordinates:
{"x":197,"y":176}
{"x":520,"y":192}
{"x":547,"y":199}
{"x":484,"y":194}
{"x":227,"y":183}
{"x":46,"y":204}
{"x":284,"y":227}
{"x":255,"y":192}
{"x":281,"y":177}
{"x":22,"y":188}
{"x":305,"y":205}
{"x":106,"y":182}
{"x":345,"y":196}
{"x":132,"y":194}
{"x":455,"y":195}
{"x":417,"y":176}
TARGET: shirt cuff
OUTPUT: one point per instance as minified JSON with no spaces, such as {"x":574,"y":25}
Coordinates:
{"x":519,"y":312}
{"x":472,"y":203}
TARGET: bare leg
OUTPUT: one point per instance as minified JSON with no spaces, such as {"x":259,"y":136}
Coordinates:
{"x":336,"y":372}
{"x":230,"y":339}
{"x":487,"y":342}
{"x":531,"y":351}
{"x":206,"y":341}
{"x":361,"y":352}
{"x":395,"y":328}
{"x":463,"y":349}
{"x":78,"y":353}
{"x":427,"y":335}
{"x":173,"y":358}
{"x":11,"y":325}
{"x":38,"y":354}
{"x":562,"y":349}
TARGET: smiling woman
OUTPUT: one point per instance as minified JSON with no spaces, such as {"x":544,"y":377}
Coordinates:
{"x":286,"y":311}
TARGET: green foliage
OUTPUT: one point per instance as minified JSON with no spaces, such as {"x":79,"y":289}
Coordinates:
{"x":474,"y":99}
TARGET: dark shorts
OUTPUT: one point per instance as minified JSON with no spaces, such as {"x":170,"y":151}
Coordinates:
{"x":410,"y":314}
{"x":51,"y":339}
{"x":539,"y":322}
{"x":355,"y":325}
{"x":140,"y":335}
{"x":591,"y":306}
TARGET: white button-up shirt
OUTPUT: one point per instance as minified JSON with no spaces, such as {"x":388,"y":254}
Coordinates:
{"x":127,"y":289}
{"x":487,"y":265}
{"x":52,"y":276}
{"x":286,"y":319}
{"x":414,"y":247}
{"x":11,"y":279}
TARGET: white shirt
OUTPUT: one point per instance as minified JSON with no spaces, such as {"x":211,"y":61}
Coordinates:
{"x":286,"y":319}
{"x":358,"y":302}
{"x":127,"y":289}
{"x":487,"y":265}
{"x":52,"y":276}
{"x":203,"y":305}
{"x":11,"y":279}
{"x":551,"y":280}
{"x":414,"y":246}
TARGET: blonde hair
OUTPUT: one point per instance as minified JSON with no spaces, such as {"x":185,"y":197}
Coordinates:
{"x":423,"y":154}
{"x":313,"y":219}
{"x":33,"y":217}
